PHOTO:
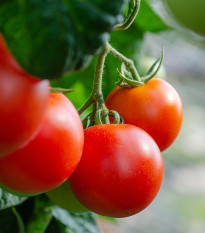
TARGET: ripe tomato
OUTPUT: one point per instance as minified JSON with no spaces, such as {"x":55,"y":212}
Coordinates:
{"x":23,"y":100}
{"x":155,"y":107}
{"x":120,"y":172}
{"x":49,"y":158}
{"x":64,"y":197}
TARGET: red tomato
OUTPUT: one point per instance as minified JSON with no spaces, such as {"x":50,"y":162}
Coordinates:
{"x":120,"y":172}
{"x":23,"y":100}
{"x":48,"y":159}
{"x":155,"y":107}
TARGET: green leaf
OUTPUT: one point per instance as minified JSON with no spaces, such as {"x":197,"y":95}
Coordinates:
{"x":57,"y":227}
{"x":51,"y":37}
{"x":7,"y":199}
{"x":148,"y":20}
{"x":78,"y":223}
{"x":41,"y":215}
{"x":8,"y":223}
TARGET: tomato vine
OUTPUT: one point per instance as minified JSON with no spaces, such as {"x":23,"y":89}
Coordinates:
{"x":100,"y":113}
{"x":133,"y":10}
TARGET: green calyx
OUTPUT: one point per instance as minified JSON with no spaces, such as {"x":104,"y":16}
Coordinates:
{"x":128,"y":79}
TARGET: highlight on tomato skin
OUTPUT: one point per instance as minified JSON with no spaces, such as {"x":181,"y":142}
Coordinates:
{"x":23,"y":100}
{"x":156,"y":107}
{"x":120,"y":172}
{"x":51,"y":156}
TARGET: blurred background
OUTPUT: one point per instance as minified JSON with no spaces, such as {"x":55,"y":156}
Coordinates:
{"x":180,"y":204}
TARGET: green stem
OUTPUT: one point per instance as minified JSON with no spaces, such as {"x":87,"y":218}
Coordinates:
{"x":128,"y":63}
{"x":130,"y":82}
{"x":87,"y":104}
{"x":96,"y":98}
{"x":93,"y":113}
{"x":97,"y":83}
{"x":60,"y":90}
{"x":125,"y":71}
{"x":131,"y":17}
{"x":19,"y":221}
{"x":100,"y":114}
{"x":97,"y":86}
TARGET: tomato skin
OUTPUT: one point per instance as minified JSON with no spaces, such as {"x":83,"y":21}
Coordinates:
{"x":23,"y":100}
{"x":120,"y":172}
{"x":49,"y":158}
{"x":155,"y":107}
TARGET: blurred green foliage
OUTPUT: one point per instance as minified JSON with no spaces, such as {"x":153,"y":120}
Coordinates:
{"x":49,"y":38}
{"x":188,"y":13}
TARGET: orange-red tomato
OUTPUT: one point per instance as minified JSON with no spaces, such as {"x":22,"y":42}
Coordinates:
{"x":49,"y":158}
{"x":120,"y":172}
{"x":155,"y":107}
{"x":23,"y":100}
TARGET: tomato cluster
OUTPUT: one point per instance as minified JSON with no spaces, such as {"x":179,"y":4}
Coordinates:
{"x":41,"y":135}
{"x":42,"y":141}
{"x":121,"y":169}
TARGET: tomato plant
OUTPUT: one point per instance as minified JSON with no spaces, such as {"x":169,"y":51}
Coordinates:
{"x":120,"y":171}
{"x":64,"y":197}
{"x":23,"y":100}
{"x":155,"y":107}
{"x":49,"y":158}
